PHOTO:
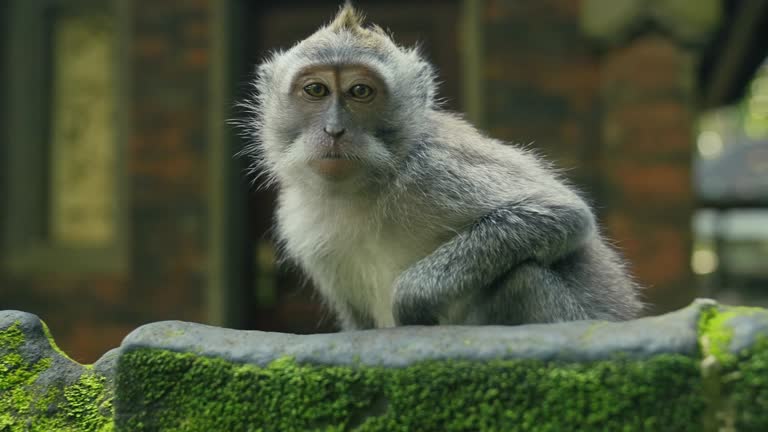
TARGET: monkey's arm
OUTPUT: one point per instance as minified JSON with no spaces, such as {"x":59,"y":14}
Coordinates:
{"x":525,"y":231}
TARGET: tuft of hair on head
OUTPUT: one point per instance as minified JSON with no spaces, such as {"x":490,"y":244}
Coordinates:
{"x":348,"y":18}
{"x":352,"y":20}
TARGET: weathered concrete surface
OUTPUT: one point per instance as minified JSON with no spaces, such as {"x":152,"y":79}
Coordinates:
{"x":396,"y":347}
{"x":701,"y":368}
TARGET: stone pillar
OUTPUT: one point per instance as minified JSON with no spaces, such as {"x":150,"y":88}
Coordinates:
{"x":167,"y":160}
{"x":648,"y":101}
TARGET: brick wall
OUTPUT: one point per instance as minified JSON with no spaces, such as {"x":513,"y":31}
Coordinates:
{"x":646,"y":148}
{"x":542,"y":78}
{"x":617,"y":114}
{"x":167,"y":158}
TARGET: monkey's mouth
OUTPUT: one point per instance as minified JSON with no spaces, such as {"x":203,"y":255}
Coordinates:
{"x":334,"y":156}
{"x":334,"y":166}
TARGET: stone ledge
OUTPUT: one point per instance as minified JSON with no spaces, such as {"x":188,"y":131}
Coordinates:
{"x":700,"y":368}
{"x":397,"y":347}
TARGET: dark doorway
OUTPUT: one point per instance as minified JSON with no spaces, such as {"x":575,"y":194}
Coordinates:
{"x":276,"y":298}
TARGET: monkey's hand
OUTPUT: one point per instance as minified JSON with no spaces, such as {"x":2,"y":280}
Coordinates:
{"x":412,"y":304}
{"x":492,"y":246}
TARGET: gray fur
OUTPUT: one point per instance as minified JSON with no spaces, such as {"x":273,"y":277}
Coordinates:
{"x":446,"y":225}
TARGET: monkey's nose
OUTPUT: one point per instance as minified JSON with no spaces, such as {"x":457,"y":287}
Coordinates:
{"x":334,"y":132}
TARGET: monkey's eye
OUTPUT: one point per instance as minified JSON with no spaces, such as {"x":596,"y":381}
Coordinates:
{"x":361,"y":91}
{"x":316,"y":90}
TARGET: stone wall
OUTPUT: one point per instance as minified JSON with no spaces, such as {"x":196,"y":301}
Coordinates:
{"x":701,"y":368}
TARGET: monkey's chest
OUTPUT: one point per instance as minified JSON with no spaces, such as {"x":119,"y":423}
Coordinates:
{"x":367,"y":267}
{"x":352,"y":258}
{"x":357,"y":268}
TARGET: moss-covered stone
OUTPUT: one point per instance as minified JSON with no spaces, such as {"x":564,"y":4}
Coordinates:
{"x":742,"y":374}
{"x":717,"y":329}
{"x":163,"y":390}
{"x":746,"y":384}
{"x":31,"y":404}
{"x":15,"y":375}
{"x":702,"y":368}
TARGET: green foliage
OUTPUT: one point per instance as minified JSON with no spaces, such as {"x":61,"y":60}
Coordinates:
{"x":84,"y":406}
{"x":177,"y":391}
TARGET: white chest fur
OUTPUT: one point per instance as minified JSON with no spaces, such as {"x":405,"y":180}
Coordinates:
{"x":352,"y":256}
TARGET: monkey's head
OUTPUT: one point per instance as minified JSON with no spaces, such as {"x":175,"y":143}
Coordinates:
{"x":340,"y":107}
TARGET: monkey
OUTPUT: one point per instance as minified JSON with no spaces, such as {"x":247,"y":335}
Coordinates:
{"x":403,"y":213}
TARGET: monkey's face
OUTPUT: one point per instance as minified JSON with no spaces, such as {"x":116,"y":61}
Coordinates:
{"x":336,"y":124}
{"x":343,"y":107}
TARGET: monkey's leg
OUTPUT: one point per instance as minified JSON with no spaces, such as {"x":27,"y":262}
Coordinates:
{"x":586,"y":284}
{"x":480,"y":255}
{"x":530,"y":293}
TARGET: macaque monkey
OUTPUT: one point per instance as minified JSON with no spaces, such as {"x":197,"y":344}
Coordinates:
{"x":402,"y":213}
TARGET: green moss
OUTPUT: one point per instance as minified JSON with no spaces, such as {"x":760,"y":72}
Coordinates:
{"x":162,"y":390}
{"x":86,"y":402}
{"x":83,"y":406}
{"x":716,"y":333}
{"x":12,"y":337}
{"x":14,"y":370}
{"x":740,"y":379}
{"x":747,"y":386}
{"x":15,"y":375}
{"x":51,"y":341}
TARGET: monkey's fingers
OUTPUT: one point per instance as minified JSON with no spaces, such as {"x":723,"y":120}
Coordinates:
{"x":411,"y":309}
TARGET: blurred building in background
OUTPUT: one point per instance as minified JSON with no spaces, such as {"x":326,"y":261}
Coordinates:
{"x":730,"y":254}
{"x":121,"y":202}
